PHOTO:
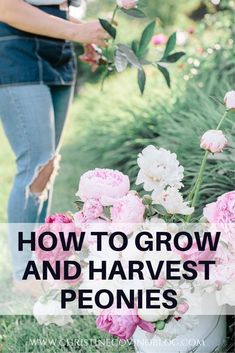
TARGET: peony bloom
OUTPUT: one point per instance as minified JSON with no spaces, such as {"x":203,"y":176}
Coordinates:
{"x":172,"y":200}
{"x":153,"y":315}
{"x":223,"y":210}
{"x":122,"y":326}
{"x":55,"y":224}
{"x":128,"y":209}
{"x":51,"y":313}
{"x":104,"y":185}
{"x":193,"y":254}
{"x":229,"y":100}
{"x":92,"y":209}
{"x":90,"y":225}
{"x":127,"y":4}
{"x":159,"y":39}
{"x":159,"y":168}
{"x":213,"y":141}
{"x":58,"y":218}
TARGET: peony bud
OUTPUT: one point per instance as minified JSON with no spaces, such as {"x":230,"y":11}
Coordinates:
{"x":182,"y":308}
{"x":160,"y":325}
{"x":127,"y":4}
{"x":159,"y":39}
{"x":229,"y":100}
{"x":213,"y":141}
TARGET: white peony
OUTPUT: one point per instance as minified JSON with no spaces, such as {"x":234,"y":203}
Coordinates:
{"x":159,"y":168}
{"x":213,"y":141}
{"x":152,"y":315}
{"x":172,"y":200}
{"x":51,"y":313}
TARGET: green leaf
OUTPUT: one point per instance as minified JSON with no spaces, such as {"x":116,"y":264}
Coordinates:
{"x":170,"y":45}
{"x":146,"y":37}
{"x":166,"y":74}
{"x":134,"y":46}
{"x":130,"y":55}
{"x":108,"y":28}
{"x":161,"y":210}
{"x":141,"y":80}
{"x":217,"y":100}
{"x":173,"y":57}
{"x":134,"y":12}
{"x":79,"y":204}
{"x":120,"y":61}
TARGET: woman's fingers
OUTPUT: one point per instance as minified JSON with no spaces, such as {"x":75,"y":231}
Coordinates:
{"x":93,"y":32}
{"x":102,"y":43}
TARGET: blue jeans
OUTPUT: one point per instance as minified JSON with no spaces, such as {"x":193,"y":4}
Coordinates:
{"x":33,"y":118}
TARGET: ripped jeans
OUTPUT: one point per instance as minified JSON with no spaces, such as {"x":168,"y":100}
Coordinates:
{"x":33,"y":118}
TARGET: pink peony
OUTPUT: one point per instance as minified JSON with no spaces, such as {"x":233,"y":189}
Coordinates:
{"x":55,"y":224}
{"x":222,"y":214}
{"x":229,"y":100}
{"x":58,"y":218}
{"x":72,"y":272}
{"x":159,"y":39}
{"x":127,"y":4}
{"x":213,"y":141}
{"x":58,"y":254}
{"x":104,"y":185}
{"x":89,"y":225}
{"x":122,"y":326}
{"x":79,"y":218}
{"x":129,"y":209}
{"x":223,"y":210}
{"x":92,"y":209}
{"x":196,"y":255}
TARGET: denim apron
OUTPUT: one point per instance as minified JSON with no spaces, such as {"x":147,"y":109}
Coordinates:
{"x":26,"y":58}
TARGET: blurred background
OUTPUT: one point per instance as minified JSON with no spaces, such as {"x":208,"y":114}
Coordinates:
{"x":109,"y":128}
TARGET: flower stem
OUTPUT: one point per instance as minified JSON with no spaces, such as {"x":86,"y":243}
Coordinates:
{"x":104,"y":76}
{"x":198,"y":182}
{"x":196,"y":188}
{"x":114,"y":14}
{"x":222,"y":120}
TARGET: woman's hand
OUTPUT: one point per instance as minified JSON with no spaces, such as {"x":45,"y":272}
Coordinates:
{"x":91,"y":32}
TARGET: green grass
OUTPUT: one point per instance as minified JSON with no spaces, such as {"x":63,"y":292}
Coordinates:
{"x":24,"y":335}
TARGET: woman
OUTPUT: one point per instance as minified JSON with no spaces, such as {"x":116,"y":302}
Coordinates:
{"x":37,"y":76}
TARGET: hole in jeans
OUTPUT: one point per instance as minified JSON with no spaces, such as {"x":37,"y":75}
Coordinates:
{"x":44,"y":178}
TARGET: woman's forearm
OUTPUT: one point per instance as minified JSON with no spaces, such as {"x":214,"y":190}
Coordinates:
{"x":26,"y":17}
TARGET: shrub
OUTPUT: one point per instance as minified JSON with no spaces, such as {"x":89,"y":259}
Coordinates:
{"x":176,"y":126}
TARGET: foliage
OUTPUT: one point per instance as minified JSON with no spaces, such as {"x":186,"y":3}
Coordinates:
{"x":177,"y":127}
{"x":119,"y":56}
